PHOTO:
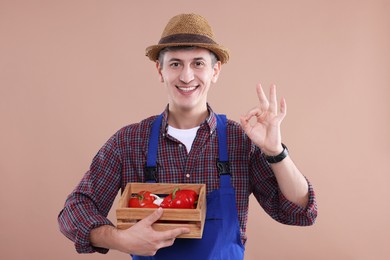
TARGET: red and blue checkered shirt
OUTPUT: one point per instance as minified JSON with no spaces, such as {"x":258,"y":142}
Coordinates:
{"x":123,"y":157}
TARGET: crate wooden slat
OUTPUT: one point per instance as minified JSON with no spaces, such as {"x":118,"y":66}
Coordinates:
{"x":171,"y":218}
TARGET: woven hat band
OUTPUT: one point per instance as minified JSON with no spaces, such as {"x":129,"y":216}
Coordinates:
{"x":186,"y":38}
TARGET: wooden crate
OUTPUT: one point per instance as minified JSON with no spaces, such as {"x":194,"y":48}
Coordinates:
{"x":171,"y":218}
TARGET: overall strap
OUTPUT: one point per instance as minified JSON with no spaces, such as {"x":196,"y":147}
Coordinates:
{"x":150,"y":171}
{"x":222,"y":138}
{"x":223,"y":165}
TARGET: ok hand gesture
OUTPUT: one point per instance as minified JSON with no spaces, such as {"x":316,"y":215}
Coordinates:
{"x":265,"y":132}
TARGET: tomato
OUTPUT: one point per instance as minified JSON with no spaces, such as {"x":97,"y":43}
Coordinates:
{"x":180,"y":199}
{"x":142,"y":199}
{"x":150,"y":205}
{"x":191,"y":195}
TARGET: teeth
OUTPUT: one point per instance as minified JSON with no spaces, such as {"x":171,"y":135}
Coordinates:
{"x":187,"y":89}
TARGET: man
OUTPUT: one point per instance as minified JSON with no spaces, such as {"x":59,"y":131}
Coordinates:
{"x":194,"y":145}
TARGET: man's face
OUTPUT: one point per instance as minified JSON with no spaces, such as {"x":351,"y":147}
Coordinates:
{"x":187,"y":76}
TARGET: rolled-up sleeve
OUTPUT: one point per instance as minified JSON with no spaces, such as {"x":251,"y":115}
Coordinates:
{"x":293,"y":214}
{"x":88,"y":205}
{"x":267,"y":192}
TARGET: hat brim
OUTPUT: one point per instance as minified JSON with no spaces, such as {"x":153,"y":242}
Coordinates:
{"x":221,"y":52}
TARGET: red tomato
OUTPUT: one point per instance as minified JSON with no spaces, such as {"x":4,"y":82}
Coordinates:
{"x":180,"y":199}
{"x":191,"y":195}
{"x":142,"y":199}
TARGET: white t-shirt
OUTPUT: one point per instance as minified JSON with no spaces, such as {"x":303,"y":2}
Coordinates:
{"x":186,"y":136}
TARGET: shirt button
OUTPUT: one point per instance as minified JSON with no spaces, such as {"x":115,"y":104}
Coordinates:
{"x":180,"y":145}
{"x":188,"y":175}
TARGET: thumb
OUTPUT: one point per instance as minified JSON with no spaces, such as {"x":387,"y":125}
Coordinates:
{"x":149,"y":220}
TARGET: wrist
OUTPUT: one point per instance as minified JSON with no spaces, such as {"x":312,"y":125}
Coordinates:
{"x":273,"y":152}
{"x":105,"y":236}
{"x":277,"y":157}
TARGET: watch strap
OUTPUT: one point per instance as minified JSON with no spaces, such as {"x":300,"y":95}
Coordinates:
{"x":279,"y":157}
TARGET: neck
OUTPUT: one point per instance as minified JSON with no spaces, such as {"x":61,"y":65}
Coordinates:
{"x":187,"y":119}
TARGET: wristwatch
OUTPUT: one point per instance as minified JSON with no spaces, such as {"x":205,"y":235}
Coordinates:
{"x":279,"y":157}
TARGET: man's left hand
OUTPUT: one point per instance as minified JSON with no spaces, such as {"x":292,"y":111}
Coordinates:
{"x":265,"y":132}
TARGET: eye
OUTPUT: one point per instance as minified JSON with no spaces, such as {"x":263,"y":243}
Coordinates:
{"x":174,"y":64}
{"x":199,"y":64}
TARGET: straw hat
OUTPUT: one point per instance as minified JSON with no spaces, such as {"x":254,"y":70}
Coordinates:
{"x":188,"y":30}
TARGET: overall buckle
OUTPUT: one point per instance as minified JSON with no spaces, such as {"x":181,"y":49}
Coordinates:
{"x":223,"y":167}
{"x":150,"y":173}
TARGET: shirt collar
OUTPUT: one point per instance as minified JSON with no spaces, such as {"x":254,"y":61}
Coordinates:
{"x":210,"y":122}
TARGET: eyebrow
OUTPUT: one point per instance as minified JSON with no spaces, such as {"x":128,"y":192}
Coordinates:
{"x":194,"y":59}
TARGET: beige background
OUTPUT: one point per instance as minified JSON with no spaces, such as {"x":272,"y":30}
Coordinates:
{"x":74,"y":72}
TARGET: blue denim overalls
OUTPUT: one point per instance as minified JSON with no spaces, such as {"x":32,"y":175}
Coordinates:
{"x":221,"y":234}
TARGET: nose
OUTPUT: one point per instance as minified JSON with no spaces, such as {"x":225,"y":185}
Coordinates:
{"x":186,"y":75}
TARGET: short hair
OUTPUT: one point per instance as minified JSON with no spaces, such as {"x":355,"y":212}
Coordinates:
{"x":214,"y":58}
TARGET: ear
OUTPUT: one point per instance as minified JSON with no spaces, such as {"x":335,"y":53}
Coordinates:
{"x":216,"y":70}
{"x":159,"y":69}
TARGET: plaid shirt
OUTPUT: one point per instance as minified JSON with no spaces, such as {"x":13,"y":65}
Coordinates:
{"x":122,"y":160}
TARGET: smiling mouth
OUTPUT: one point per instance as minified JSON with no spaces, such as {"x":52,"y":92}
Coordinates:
{"x":187,"y":89}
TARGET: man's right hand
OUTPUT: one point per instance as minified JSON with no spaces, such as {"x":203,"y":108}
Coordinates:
{"x":140,"y":239}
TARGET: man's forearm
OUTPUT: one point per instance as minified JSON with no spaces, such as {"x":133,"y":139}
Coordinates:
{"x":291,"y":182}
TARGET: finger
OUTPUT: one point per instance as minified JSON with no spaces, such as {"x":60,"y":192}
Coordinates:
{"x":243,"y":121}
{"x":173,"y":233}
{"x":283,"y":108}
{"x":166,"y":243}
{"x":168,"y":237}
{"x":245,"y":124}
{"x":262,"y":98}
{"x":156,"y":215}
{"x":273,"y":104}
{"x":254,"y":112}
